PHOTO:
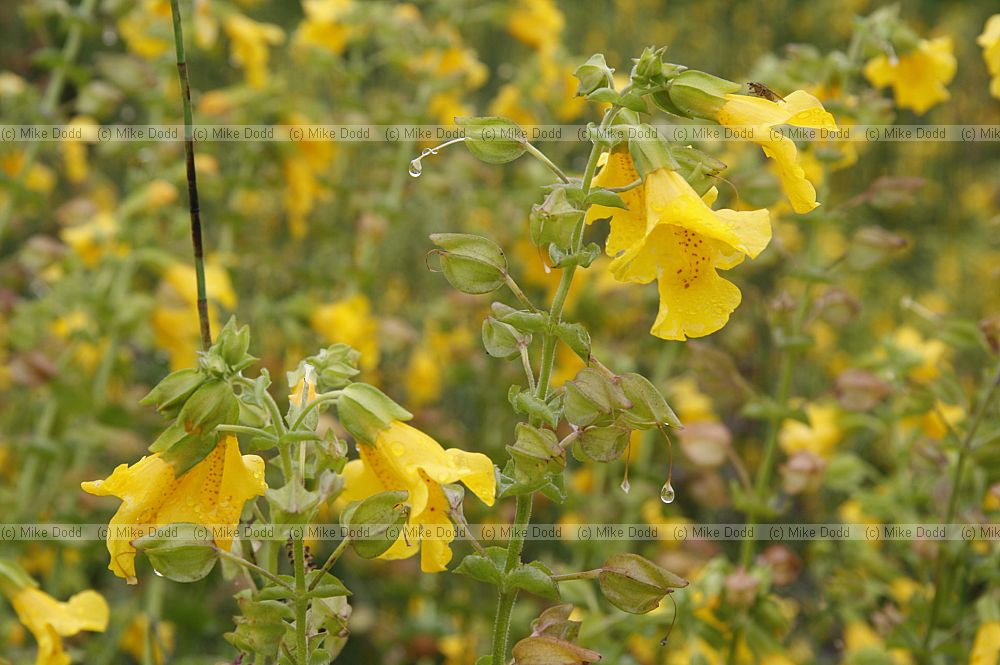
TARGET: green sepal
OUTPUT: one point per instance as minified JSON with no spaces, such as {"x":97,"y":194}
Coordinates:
{"x":493,"y":140}
{"x":365,"y":411}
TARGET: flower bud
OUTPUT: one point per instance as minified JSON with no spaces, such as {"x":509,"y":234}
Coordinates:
{"x":503,"y":340}
{"x":650,"y":152}
{"x":549,"y":650}
{"x":741,"y":588}
{"x":493,"y":140}
{"x":858,"y":390}
{"x":593,"y":74}
{"x":785,"y":564}
{"x":591,"y":398}
{"x":472,"y":264}
{"x":634,"y":584}
{"x":335,"y":366}
{"x":700,"y":95}
{"x":536,"y":452}
{"x":872,"y":246}
{"x":555,"y":220}
{"x":803,"y":472}
{"x":649,"y":408}
{"x":365,"y":411}
{"x":648,"y":68}
{"x":180,"y":552}
{"x":706,"y":444}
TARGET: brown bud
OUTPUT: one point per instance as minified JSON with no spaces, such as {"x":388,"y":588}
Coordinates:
{"x":706,"y":444}
{"x":803,"y":472}
{"x":858,"y":390}
{"x":785,"y":564}
{"x":741,"y":588}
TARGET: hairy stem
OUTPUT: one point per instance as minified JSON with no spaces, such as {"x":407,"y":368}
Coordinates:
{"x":301,"y":602}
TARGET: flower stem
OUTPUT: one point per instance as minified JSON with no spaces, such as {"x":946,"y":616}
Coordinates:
{"x":192,"y":177}
{"x":963,"y":453}
{"x":540,"y":156}
{"x":332,"y":559}
{"x":583,"y":575}
{"x":505,"y":605}
{"x":301,"y":602}
{"x":271,"y":577}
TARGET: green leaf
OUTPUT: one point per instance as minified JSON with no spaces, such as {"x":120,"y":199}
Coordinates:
{"x":502,"y":340}
{"x":576,"y":337}
{"x":487,"y":569}
{"x":535,"y":578}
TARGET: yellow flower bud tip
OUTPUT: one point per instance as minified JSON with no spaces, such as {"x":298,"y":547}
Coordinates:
{"x":212,"y":492}
{"x":404,"y":458}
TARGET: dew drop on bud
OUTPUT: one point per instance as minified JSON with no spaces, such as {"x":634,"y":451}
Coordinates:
{"x":626,"y":486}
{"x":667,"y":493}
{"x":416,"y":168}
{"x":546,"y":268}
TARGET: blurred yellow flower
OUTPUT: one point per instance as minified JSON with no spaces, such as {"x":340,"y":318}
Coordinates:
{"x":690,"y":403}
{"x":986,"y":648}
{"x":799,"y":109}
{"x":447,"y":105}
{"x":250,"y":42}
{"x":206,"y":26}
{"x":990,"y":41}
{"x":936,"y":422}
{"x":918,"y":78}
{"x":136,"y":637}
{"x":928,"y":356}
{"x":323,"y":26}
{"x":93,"y":240}
{"x":670,"y":234}
{"x":423,"y":377}
{"x":175,"y":324}
{"x":509,"y":103}
{"x":50,"y":620}
{"x":38,"y":177}
{"x":212,"y":492}
{"x":403,"y":458}
{"x":147,"y":30}
{"x":74,"y":151}
{"x":218,"y":286}
{"x":819,"y":437}
{"x":349,"y":321}
{"x":537,"y":23}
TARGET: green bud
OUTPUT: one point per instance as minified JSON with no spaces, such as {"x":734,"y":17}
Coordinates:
{"x":634,"y":584}
{"x":536,"y":452}
{"x":232,"y":345}
{"x":335,"y":366}
{"x":555,"y":622}
{"x":648,"y":67}
{"x":555,"y":220}
{"x":472,"y":264}
{"x":699,"y":95}
{"x":211,"y":405}
{"x":593,"y":74}
{"x":602,"y":444}
{"x":650,"y":154}
{"x":365,"y":411}
{"x":383,"y":513}
{"x":260,"y":626}
{"x":170,"y":394}
{"x":527,"y":403}
{"x":649,"y":408}
{"x":548,"y":650}
{"x":180,"y":552}
{"x":591,"y":398}
{"x":503,"y":340}
{"x":493,"y":140}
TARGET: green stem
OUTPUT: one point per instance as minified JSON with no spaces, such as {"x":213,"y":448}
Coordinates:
{"x":332,"y":559}
{"x":963,"y":453}
{"x":325,"y":398}
{"x":540,"y":156}
{"x":301,"y":602}
{"x":522,"y":515}
{"x":583,"y":575}
{"x":505,"y":605}
{"x":518,"y":293}
{"x":192,"y":178}
{"x":229,"y":556}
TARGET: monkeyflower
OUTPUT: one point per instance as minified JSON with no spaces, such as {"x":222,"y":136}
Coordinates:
{"x":989,"y":40}
{"x":799,"y":109}
{"x":401,"y":457}
{"x":48,"y":619}
{"x":249,"y":45}
{"x":212,"y":492}
{"x":918,"y":78}
{"x":670,"y":234}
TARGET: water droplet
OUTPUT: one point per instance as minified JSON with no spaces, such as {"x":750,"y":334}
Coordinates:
{"x":667,"y":493}
{"x":663,"y":642}
{"x":416,"y":168}
{"x":157,"y":573}
{"x":546,"y":268}
{"x":626,"y":486}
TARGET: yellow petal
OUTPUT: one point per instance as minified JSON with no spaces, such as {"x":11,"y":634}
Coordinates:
{"x":694,"y":308}
{"x":797,"y":188}
{"x":628,"y":225}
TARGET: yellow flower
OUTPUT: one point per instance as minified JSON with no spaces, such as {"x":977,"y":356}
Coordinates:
{"x":74,"y":151}
{"x":175,"y":317}
{"x":404,"y":458}
{"x":929,"y":355}
{"x":218,"y":287}
{"x":990,"y":41}
{"x":136,"y":637}
{"x":250,"y":40}
{"x":986,"y":648}
{"x":212,"y":492}
{"x":50,"y":620}
{"x":423,"y":377}
{"x":146,"y":30}
{"x":206,"y":26}
{"x":819,"y":437}
{"x":323,"y":26}
{"x":670,"y":234}
{"x":691,"y":404}
{"x":349,"y":321}
{"x":799,"y":109}
{"x":936,"y":422}
{"x":93,"y":240}
{"x":918,"y":78}
{"x":509,"y":104}
{"x":537,"y":23}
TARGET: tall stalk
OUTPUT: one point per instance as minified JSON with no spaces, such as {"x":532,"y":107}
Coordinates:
{"x":192,"y":177}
